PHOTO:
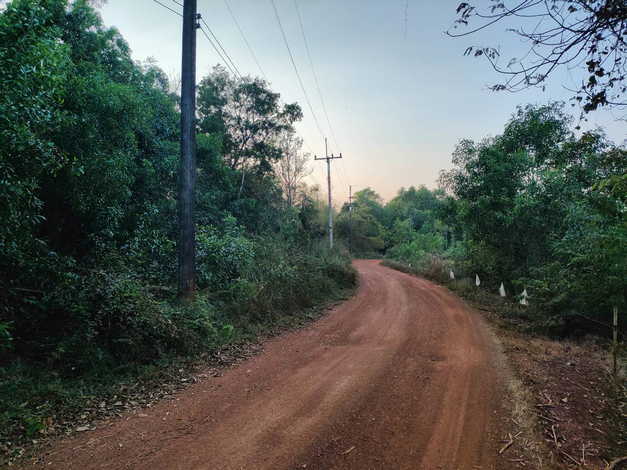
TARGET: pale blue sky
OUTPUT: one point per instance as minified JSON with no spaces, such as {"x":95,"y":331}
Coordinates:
{"x":398,"y":103}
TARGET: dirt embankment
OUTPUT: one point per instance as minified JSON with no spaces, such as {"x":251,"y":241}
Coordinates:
{"x":578,"y":408}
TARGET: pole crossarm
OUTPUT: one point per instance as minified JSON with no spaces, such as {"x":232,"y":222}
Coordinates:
{"x":329,"y":157}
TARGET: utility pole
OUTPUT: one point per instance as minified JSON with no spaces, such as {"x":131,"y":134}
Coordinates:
{"x":328,"y":158}
{"x":187,"y":172}
{"x":350,"y":219}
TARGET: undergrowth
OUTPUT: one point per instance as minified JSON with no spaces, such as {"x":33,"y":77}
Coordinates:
{"x":136,"y":338}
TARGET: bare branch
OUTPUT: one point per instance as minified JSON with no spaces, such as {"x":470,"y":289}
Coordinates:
{"x":585,"y":34}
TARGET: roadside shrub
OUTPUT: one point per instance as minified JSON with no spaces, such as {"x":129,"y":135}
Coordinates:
{"x":284,"y":278}
{"x":416,"y":251}
{"x":223,"y":254}
{"x":434,"y":267}
{"x":150,"y":250}
{"x":465,"y":287}
{"x":91,"y":317}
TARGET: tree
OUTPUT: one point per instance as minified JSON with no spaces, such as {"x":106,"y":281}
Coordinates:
{"x":33,"y":70}
{"x":292,"y":167}
{"x":365,"y":224}
{"x":560,"y":33}
{"x":416,"y":205}
{"x":543,"y":209}
{"x":249,"y":117}
{"x":508,"y":184}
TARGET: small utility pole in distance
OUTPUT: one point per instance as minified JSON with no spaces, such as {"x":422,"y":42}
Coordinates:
{"x":328,"y":158}
{"x":187,"y":171}
{"x":350,"y":219}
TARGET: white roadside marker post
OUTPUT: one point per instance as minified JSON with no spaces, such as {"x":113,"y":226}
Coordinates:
{"x":502,"y":290}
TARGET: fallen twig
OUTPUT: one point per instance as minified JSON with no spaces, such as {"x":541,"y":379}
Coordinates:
{"x":612,"y":465}
{"x":506,"y":446}
{"x":570,"y":457}
{"x":509,"y":443}
{"x":548,"y":418}
{"x":554,"y":436}
{"x":583,"y":453}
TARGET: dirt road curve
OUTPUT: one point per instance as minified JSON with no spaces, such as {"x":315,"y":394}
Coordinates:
{"x":399,"y":377}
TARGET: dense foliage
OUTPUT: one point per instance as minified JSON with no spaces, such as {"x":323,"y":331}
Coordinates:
{"x":89,"y":146}
{"x":545,"y":210}
{"x":536,"y":208}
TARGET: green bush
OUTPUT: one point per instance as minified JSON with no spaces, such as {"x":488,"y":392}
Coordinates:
{"x":223,"y":254}
{"x":285,"y":278}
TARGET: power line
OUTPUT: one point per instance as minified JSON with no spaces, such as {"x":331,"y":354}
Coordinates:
{"x":167,"y":7}
{"x":343,"y":175}
{"x":300,"y":81}
{"x":220,"y":44}
{"x":218,"y":51}
{"x":343,"y":171}
{"x":234,"y":70}
{"x":229,"y":63}
{"x":250,"y":49}
{"x":313,"y":71}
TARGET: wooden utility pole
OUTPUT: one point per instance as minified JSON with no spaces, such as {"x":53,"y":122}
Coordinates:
{"x":187,"y":171}
{"x":328,"y":158}
{"x":350,"y":219}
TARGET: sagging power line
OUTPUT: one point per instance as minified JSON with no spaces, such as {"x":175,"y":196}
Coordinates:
{"x":315,"y":76}
{"x":300,"y":81}
{"x":343,"y":171}
{"x":219,"y":49}
{"x":168,"y":8}
{"x":241,"y":31}
{"x":226,"y":54}
{"x":215,"y":48}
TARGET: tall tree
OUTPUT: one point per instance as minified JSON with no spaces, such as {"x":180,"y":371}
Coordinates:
{"x":292,"y":167}
{"x":248,"y":115}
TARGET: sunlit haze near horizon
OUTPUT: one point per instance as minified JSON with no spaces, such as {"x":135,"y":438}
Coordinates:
{"x":398,"y":91}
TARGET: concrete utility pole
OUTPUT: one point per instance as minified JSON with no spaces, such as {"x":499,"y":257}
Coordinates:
{"x":187,"y":172}
{"x":350,"y":219}
{"x":328,"y":158}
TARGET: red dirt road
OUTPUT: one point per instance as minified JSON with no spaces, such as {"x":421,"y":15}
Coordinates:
{"x":402,"y":376}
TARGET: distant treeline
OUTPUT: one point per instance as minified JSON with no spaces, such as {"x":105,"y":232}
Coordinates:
{"x":537,"y":207}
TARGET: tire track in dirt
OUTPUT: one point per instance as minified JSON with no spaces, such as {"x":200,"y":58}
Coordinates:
{"x":402,"y":376}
